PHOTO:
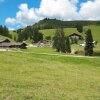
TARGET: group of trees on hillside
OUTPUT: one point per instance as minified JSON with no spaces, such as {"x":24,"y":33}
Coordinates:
{"x":29,"y":33}
{"x":4,"y":31}
{"x":62,"y":44}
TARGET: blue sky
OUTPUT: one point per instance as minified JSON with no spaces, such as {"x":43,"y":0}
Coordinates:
{"x":39,"y":9}
{"x":8,"y":8}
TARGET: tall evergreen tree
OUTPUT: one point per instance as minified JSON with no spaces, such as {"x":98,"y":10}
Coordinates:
{"x":89,"y":43}
{"x":68,"y":47}
{"x":60,"y":42}
{"x":79,"y":28}
{"x":37,"y":36}
{"x":57,"y":39}
{"x":1,"y":30}
{"x":4,"y":31}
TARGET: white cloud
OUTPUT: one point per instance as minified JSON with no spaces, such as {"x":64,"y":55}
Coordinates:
{"x":10,"y":20}
{"x":90,"y":10}
{"x":62,"y":9}
{"x":24,"y":16}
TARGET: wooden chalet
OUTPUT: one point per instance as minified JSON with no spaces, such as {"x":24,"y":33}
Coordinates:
{"x":13,"y":45}
{"x":75,"y":36}
{"x":4,"y":41}
{"x":43,"y":43}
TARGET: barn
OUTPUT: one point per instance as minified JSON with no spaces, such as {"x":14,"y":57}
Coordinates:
{"x":13,"y":45}
{"x":4,"y":41}
{"x":75,"y":36}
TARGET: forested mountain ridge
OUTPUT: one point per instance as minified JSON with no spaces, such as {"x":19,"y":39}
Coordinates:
{"x":31,"y":31}
{"x":54,"y":23}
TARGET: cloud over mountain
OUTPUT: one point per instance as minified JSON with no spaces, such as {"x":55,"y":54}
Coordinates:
{"x":90,"y":10}
{"x":24,"y":16}
{"x":61,"y":9}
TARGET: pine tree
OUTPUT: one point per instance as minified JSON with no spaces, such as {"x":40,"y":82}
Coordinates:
{"x":68,"y":47}
{"x":79,"y":28}
{"x":89,"y":43}
{"x":1,"y":30}
{"x":37,"y":36}
{"x":61,"y":43}
{"x":57,"y":40}
{"x":5,"y":31}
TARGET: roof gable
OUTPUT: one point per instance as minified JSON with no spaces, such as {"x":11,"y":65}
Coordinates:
{"x":4,"y":40}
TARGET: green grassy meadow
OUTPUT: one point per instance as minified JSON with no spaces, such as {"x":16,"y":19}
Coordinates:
{"x":27,"y":76}
{"x":31,"y":75}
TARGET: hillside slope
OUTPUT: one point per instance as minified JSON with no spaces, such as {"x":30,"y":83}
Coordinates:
{"x":4,"y":37}
{"x":95,"y":31}
{"x":54,"y":23}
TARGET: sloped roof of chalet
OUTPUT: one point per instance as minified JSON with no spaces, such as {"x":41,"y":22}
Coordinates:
{"x":74,"y":34}
{"x":3,"y":40}
{"x":12,"y":44}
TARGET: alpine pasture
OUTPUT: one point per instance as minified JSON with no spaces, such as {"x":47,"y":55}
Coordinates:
{"x":31,"y":75}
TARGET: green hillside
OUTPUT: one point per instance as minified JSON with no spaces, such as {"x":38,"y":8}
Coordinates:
{"x":14,"y":35}
{"x":51,"y":32}
{"x":95,"y":31}
{"x":3,"y":37}
{"x":54,"y":23}
{"x":48,"y":26}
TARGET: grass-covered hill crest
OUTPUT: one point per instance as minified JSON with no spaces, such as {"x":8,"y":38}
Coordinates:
{"x":55,"y":23}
